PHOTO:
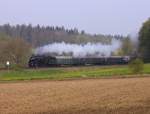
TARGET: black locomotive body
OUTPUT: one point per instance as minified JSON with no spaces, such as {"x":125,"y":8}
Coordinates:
{"x":50,"y":61}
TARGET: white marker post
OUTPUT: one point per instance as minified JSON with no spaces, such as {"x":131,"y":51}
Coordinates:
{"x":8,"y":65}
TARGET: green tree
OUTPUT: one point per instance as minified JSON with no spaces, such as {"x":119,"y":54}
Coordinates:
{"x":144,"y":41}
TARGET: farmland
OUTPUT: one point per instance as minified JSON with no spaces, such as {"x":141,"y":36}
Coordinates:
{"x":63,"y":73}
{"x":75,"y":90}
{"x":90,"y":96}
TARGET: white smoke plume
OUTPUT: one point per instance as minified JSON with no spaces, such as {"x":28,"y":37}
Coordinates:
{"x":83,"y":50}
{"x":134,"y":37}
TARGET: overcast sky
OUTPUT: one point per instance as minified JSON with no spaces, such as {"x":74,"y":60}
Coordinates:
{"x":93,"y":16}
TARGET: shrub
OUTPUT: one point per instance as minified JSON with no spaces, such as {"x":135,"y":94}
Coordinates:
{"x":136,"y":66}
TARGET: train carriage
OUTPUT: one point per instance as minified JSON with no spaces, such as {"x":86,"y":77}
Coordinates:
{"x":50,"y":61}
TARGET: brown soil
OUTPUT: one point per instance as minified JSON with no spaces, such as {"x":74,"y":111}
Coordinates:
{"x":91,"y":96}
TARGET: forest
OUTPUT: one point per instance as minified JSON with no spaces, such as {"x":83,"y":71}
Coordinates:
{"x":42,"y":35}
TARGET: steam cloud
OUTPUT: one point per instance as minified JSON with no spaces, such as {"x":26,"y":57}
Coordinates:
{"x":75,"y":50}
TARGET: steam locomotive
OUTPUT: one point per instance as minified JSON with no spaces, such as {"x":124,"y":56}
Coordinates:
{"x":51,"y":61}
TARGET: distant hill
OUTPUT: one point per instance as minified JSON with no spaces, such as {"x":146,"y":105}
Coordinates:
{"x":42,"y":35}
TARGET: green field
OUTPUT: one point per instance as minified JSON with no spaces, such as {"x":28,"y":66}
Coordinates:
{"x":69,"y":73}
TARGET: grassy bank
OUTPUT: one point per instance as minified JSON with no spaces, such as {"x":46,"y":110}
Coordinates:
{"x":68,"y":73}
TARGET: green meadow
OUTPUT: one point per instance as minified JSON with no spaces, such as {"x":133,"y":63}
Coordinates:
{"x":62,"y":73}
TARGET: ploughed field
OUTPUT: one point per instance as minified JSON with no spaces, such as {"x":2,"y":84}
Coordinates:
{"x":89,"y":96}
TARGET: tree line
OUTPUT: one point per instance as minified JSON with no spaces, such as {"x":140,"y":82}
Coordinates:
{"x":42,"y":35}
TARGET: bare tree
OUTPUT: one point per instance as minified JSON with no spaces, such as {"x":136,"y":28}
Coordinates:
{"x":15,"y":50}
